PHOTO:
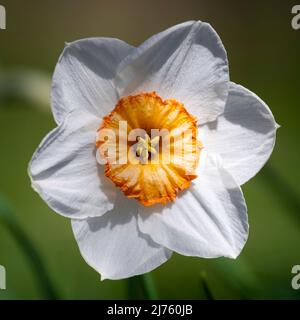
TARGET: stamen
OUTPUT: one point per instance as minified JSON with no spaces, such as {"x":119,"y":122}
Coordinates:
{"x":146,"y":147}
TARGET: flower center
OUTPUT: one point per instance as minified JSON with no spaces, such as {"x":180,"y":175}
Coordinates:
{"x":146,"y":147}
{"x":150,"y":147}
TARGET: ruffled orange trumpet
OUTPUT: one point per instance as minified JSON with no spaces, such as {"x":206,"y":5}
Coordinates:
{"x":158,"y":153}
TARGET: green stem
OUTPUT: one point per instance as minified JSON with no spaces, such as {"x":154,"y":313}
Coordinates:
{"x":142,"y":287}
{"x":240,"y":276}
{"x":149,"y":286}
{"x":44,"y":282}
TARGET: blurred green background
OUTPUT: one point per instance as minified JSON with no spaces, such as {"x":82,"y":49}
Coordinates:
{"x":263,"y":52}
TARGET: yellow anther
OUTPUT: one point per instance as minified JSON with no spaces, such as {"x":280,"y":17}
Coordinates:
{"x":152,"y":150}
{"x":146,"y":146}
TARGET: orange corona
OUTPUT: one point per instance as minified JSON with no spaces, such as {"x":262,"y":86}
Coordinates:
{"x":146,"y":175}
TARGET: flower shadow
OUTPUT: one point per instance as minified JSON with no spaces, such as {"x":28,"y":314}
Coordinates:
{"x":123,"y":212}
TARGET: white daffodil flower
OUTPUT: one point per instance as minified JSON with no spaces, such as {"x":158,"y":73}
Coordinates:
{"x":131,"y":213}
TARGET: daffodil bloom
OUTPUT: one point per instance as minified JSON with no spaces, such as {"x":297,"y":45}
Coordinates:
{"x":151,"y":195}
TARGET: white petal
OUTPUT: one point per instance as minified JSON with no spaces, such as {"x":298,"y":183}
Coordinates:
{"x":65,"y":172}
{"x":187,"y":62}
{"x":84,"y":74}
{"x":113,"y":246}
{"x":207,"y":220}
{"x":244,"y":136}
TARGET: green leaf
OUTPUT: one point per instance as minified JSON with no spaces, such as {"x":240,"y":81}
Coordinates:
{"x":205,"y":287}
{"x":8,"y":219}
